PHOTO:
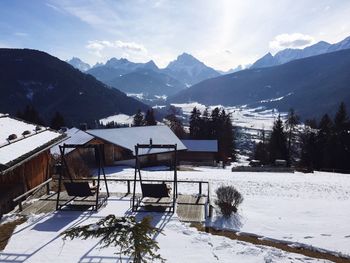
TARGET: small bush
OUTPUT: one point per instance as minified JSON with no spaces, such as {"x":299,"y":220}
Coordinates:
{"x":228,"y":200}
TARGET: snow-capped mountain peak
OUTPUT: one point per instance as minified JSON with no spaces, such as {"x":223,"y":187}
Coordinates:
{"x":79,"y":64}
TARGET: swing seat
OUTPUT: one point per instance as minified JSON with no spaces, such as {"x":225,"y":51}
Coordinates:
{"x":81,"y":189}
{"x":155,"y":190}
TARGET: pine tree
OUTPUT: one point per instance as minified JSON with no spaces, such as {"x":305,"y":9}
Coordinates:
{"x":278,"y":142}
{"x":134,"y":239}
{"x":291,"y":124}
{"x":215,"y":124}
{"x":57,"y":121}
{"x":261,"y":149}
{"x":205,"y":125}
{"x":149,"y":118}
{"x":324,"y":143}
{"x":195,"y":124}
{"x":30,"y":114}
{"x":308,"y":155}
{"x":342,"y":139}
{"x":138,"y":119}
{"x":176,"y":126}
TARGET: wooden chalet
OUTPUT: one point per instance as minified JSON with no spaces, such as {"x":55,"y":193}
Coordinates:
{"x":77,"y":137}
{"x":199,"y":152}
{"x":24,"y":157}
{"x":119,"y":144}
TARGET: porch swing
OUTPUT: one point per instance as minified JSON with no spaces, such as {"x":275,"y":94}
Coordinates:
{"x":156,"y":194}
{"x":79,"y":192}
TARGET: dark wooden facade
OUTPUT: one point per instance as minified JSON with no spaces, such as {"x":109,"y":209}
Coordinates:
{"x":23,"y":178}
{"x":198,"y":158}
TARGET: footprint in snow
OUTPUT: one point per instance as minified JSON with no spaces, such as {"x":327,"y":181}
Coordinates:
{"x":347,"y":236}
{"x":326,"y":235}
{"x":308,"y":237}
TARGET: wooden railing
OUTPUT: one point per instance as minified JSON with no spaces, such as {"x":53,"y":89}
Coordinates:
{"x":209,"y":204}
{"x":22,"y":197}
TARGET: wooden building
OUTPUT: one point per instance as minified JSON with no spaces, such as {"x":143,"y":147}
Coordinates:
{"x":200,"y":152}
{"x":24,"y":157}
{"x":119,"y":144}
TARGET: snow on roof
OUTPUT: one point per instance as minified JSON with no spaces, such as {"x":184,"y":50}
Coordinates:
{"x":201,"y":145}
{"x":74,"y":136}
{"x":10,"y":126}
{"x":129,"y":137}
{"x":27,"y":140}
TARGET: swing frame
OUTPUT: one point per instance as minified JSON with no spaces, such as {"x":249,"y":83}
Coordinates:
{"x":94,"y":203}
{"x":135,"y":201}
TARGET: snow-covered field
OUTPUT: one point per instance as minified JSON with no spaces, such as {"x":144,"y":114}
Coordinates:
{"x":241,"y":116}
{"x":311,"y":209}
{"x":307,"y":208}
{"x":122,"y":119}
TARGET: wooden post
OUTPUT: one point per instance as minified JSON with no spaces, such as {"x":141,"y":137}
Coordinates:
{"x":200,"y":188}
{"x":128,"y":181}
{"x":210,"y":211}
{"x":48,"y":188}
{"x":20,"y":208}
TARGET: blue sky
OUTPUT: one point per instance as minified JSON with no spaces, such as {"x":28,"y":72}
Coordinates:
{"x":221,"y":33}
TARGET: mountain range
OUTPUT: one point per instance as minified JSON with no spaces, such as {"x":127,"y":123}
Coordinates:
{"x":147,"y":78}
{"x":289,"y":54}
{"x":31,"y":77}
{"x":312,"y":86}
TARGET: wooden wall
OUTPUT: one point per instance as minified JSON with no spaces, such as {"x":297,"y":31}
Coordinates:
{"x":21,"y":179}
{"x":207,"y":158}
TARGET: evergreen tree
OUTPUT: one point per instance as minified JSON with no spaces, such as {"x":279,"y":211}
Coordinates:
{"x":291,"y":124}
{"x":195,"y":124}
{"x":149,"y":118}
{"x":205,"y":125}
{"x":30,"y":114}
{"x":324,"y":143}
{"x":138,"y":119}
{"x":134,"y":239}
{"x":215,"y":124}
{"x":308,"y":156}
{"x":226,"y":137}
{"x":176,"y":126}
{"x":57,"y":121}
{"x":261,"y":149}
{"x":278,"y":142}
{"x":342,"y":139}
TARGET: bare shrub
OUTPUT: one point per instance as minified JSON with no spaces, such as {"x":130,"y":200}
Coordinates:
{"x":228,"y":200}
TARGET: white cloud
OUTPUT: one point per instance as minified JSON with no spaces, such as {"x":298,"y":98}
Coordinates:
{"x":295,"y":40}
{"x":20,"y":34}
{"x":97,"y":46}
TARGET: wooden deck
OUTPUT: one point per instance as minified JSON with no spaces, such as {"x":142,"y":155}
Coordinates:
{"x":189,"y":208}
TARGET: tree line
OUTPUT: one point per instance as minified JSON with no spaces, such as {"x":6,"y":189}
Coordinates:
{"x":216,"y":125}
{"x":30,"y":114}
{"x":323,"y":145}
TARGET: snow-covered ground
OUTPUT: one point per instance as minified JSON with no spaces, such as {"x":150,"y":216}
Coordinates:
{"x":306,"y":208}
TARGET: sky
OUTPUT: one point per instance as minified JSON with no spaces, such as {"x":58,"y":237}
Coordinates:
{"x":221,"y":33}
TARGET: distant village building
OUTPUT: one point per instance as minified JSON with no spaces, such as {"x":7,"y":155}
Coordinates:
{"x":119,"y":144}
{"x":200,"y":152}
{"x":24,"y":157}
